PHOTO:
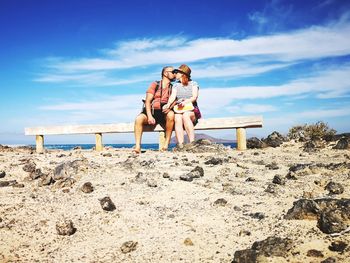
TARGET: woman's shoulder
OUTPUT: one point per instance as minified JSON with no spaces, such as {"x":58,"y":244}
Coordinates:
{"x":193,"y":83}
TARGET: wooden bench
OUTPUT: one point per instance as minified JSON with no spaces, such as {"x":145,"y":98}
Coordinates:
{"x":238,"y":123}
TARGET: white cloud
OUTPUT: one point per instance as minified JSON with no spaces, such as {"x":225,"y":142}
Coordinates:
{"x":218,"y":101}
{"x":325,"y":113}
{"x":309,"y":43}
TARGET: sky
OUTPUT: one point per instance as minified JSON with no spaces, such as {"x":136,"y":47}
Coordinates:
{"x":91,"y":61}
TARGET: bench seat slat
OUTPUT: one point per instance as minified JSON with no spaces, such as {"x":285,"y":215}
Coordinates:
{"x":203,"y":124}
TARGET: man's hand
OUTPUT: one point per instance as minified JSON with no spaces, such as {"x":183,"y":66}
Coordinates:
{"x":151,"y":120}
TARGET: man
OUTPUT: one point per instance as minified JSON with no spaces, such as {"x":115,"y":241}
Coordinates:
{"x":153,"y":113}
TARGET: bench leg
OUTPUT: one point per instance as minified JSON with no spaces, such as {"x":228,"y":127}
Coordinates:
{"x":39,"y":142}
{"x":241,"y":139}
{"x":99,"y":145}
{"x":161,"y":140}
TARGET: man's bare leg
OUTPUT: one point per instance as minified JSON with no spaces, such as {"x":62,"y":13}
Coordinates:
{"x":140,"y":120}
{"x":169,"y":126}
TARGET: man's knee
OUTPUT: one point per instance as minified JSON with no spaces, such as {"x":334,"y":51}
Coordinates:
{"x":170,"y":116}
{"x":140,"y":119}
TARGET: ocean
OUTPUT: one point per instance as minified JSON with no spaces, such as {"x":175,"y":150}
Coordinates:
{"x":150,"y":146}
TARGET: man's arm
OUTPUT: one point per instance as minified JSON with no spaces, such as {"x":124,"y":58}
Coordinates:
{"x":149,"y":98}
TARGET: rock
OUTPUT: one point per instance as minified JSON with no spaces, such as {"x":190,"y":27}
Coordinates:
{"x":7,"y":183}
{"x":334,"y":188}
{"x":298,"y":167}
{"x":128,"y":247}
{"x":245,"y":256}
{"x":87,"y":188}
{"x":278,"y":179}
{"x":152,"y":183}
{"x":166,"y":175}
{"x":107,"y":155}
{"x":272,"y":166}
{"x":244,"y":233}
{"x":303,"y":209}
{"x":150,"y":163}
{"x":273,"y":246}
{"x":77,"y":148}
{"x":61,"y":155}
{"x":65,"y":227}
{"x":257,"y":215}
{"x":214,"y":161}
{"x":220,"y":202}
{"x":67,"y":182}
{"x":197,"y":172}
{"x":37,"y":174}
{"x":338,"y":246}
{"x":275,"y":139}
{"x":186,"y":177}
{"x":68,"y":169}
{"x":18,"y":185}
{"x":300,"y":170}
{"x":255,"y":143}
{"x":46,"y":180}
{"x":188,"y":242}
{"x":315,"y":253}
{"x":331,"y":222}
{"x":29,"y":167}
{"x":2,"y":174}
{"x":270,"y":247}
{"x":309,"y":147}
{"x":201,"y":146}
{"x":250,"y":179}
{"x":140,"y":178}
{"x":329,"y":260}
{"x":342,"y":144}
{"x":107,"y":204}
{"x":271,"y":188}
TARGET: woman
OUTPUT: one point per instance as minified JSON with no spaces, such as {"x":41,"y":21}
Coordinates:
{"x":185,"y":92}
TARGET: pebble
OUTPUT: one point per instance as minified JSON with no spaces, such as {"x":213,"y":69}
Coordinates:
{"x":166,"y":175}
{"x":329,"y":260}
{"x":2,"y":174}
{"x":87,"y":188}
{"x":107,"y":204}
{"x":338,"y":246}
{"x":65,"y":227}
{"x":315,"y":253}
{"x":271,"y":188}
{"x":128,"y":247}
{"x":152,"y":183}
{"x":278,"y":179}
{"x":220,"y":202}
{"x":334,"y":188}
{"x":188,"y":242}
{"x":257,"y":215}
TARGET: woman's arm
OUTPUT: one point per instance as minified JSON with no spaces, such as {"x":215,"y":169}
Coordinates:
{"x":171,"y":99}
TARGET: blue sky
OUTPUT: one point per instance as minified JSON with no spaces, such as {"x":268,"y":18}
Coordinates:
{"x":85,"y":62}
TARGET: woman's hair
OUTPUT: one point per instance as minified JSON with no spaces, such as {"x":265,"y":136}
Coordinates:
{"x":185,"y":79}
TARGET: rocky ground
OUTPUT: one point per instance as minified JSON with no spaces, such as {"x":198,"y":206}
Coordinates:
{"x":203,"y":203}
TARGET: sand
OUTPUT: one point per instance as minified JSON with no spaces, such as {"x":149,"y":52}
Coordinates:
{"x":166,"y":219}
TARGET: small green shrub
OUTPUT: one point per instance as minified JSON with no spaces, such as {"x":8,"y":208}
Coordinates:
{"x":311,"y":131}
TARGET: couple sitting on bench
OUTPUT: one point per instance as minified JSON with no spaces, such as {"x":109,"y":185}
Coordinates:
{"x":170,"y":105}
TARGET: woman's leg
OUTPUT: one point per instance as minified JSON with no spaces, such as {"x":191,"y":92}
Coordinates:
{"x":188,"y":119}
{"x":179,"y":131}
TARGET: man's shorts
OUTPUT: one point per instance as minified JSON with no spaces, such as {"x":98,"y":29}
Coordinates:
{"x":158,"y":115}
